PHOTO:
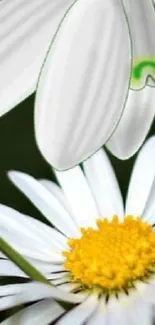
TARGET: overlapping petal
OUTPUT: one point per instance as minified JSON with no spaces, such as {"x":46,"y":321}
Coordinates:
{"x":84,"y":82}
{"x":135,"y":123}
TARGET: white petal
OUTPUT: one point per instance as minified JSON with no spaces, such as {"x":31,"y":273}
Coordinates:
{"x":16,"y":221}
{"x":37,"y":291}
{"x":62,"y":276}
{"x":134,"y":124}
{"x":31,"y":237}
{"x":69,"y":287}
{"x":29,"y":252}
{"x":8,"y":268}
{"x":80,"y":314}
{"x":27,"y":28}
{"x":78,"y":193}
{"x":104,"y":185}
{"x":57,"y":191}
{"x":41,"y":313}
{"x":10,"y":289}
{"x":14,"y":289}
{"x":100,"y":316}
{"x":140,"y":313}
{"x":47,"y":203}
{"x":149,"y":294}
{"x":141,"y":16}
{"x":142,"y":179}
{"x":78,"y":100}
{"x":46,"y":267}
{"x":149,"y":211}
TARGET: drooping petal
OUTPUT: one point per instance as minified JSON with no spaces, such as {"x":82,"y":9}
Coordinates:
{"x":41,"y":313}
{"x":104,"y":185}
{"x":84,"y":82}
{"x":27,"y":28}
{"x":141,"y":16}
{"x":134,"y":124}
{"x":142,"y":179}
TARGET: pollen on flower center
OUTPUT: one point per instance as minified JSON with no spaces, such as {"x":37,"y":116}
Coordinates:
{"x":112,"y":256}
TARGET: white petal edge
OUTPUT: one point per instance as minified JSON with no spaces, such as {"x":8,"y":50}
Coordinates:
{"x":104,"y":185}
{"x":141,"y":179}
{"x":135,"y":123}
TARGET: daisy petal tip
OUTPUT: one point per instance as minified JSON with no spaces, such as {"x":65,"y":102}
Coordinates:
{"x":128,"y":136}
{"x":12,"y":174}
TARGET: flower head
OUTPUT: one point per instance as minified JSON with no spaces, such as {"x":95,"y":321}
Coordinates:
{"x":100,"y":256}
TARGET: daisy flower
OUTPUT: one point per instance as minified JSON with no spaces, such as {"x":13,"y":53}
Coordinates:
{"x":100,"y":255}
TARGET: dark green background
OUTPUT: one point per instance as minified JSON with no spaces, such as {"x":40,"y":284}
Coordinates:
{"x":18,"y":151}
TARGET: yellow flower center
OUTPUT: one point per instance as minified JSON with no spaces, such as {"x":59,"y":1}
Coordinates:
{"x":112,"y":256}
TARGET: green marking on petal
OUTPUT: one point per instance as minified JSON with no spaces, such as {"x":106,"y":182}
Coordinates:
{"x":141,"y":65}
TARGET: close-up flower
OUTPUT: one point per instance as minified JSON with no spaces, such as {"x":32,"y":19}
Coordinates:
{"x":99,"y":254}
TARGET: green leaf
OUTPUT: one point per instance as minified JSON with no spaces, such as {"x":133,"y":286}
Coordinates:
{"x":23,"y":264}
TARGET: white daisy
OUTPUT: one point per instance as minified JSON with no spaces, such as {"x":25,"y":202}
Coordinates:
{"x":107,"y":268}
